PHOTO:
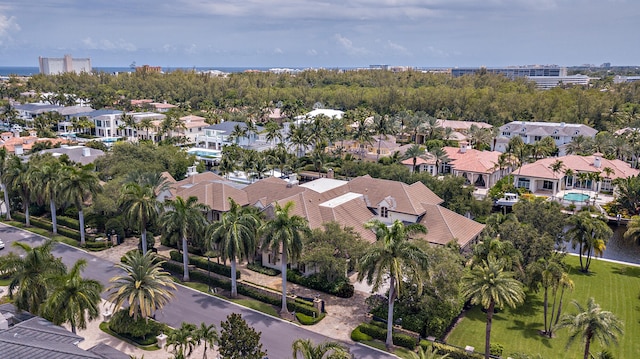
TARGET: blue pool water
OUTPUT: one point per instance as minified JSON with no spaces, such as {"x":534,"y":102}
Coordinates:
{"x":577,"y":197}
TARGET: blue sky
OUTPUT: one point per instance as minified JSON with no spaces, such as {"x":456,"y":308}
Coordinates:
{"x":321,"y":33}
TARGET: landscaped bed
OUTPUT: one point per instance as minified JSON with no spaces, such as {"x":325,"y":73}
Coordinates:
{"x":614,"y":286}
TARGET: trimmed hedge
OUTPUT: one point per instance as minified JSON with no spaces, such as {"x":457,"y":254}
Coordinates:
{"x":307,"y":320}
{"x":202,"y":264}
{"x":378,"y":333}
{"x":257,"y":267}
{"x":69,"y":222}
{"x":454,"y":352}
{"x":358,"y":336}
{"x":340,"y":288}
{"x":298,"y":306}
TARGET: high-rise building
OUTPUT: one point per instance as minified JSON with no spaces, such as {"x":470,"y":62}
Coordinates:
{"x":57,"y":65}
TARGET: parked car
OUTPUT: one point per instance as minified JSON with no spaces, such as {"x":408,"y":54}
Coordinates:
{"x":1,"y":244}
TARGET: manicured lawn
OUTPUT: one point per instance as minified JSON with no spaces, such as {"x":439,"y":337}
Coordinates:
{"x":615,"y":287}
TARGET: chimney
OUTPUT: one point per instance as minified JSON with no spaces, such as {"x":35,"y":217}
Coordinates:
{"x":86,"y":152}
{"x":597,"y":160}
{"x":19,"y":150}
{"x":330,"y":173}
{"x":463,"y":147}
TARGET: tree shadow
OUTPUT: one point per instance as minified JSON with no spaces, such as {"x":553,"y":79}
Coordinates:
{"x":627,"y":271}
{"x":530,"y":331}
{"x":532,"y":306}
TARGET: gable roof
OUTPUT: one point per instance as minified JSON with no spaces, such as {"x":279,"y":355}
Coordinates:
{"x":212,"y":190}
{"x":408,"y":199}
{"x":540,"y":168}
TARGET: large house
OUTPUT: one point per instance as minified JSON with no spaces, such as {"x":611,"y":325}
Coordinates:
{"x":350,"y":203}
{"x":479,"y":168}
{"x":222,"y":134}
{"x":576,"y":172}
{"x":531,"y":132}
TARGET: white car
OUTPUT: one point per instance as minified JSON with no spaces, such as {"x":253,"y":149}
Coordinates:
{"x":1,"y":245}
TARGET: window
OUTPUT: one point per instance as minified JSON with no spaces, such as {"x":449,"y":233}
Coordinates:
{"x":384,"y":212}
{"x":506,"y":133}
{"x":524,"y":183}
{"x":98,"y":123}
{"x":537,"y":138}
{"x":547,"y":185}
{"x":524,"y":129}
{"x":577,"y":132}
{"x":557,"y":138}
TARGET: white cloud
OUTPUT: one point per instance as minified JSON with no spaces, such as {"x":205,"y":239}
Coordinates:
{"x":7,"y":25}
{"x":278,"y":51}
{"x":348,"y":46}
{"x":312,"y":52}
{"x":397,"y":48}
{"x":108,"y":45}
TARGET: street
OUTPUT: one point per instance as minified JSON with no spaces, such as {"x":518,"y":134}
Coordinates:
{"x":190,"y":305}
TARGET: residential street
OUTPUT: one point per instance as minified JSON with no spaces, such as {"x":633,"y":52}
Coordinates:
{"x":193,"y":306}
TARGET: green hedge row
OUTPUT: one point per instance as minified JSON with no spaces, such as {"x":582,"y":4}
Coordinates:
{"x":257,"y":267}
{"x":297,"y":306}
{"x":69,"y":222}
{"x":307,"y":320}
{"x":340,"y":288}
{"x":201,"y":263}
{"x":454,"y":352}
{"x":378,"y":333}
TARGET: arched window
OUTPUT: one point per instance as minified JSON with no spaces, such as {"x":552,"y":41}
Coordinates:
{"x":384,"y":212}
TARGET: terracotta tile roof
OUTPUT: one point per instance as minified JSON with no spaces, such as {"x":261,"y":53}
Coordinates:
{"x":270,"y":190}
{"x":462,"y":125}
{"x":28,"y":142}
{"x":408,"y":199}
{"x":210,"y":189}
{"x":192,"y":121}
{"x":419,"y":161}
{"x":540,"y":168}
{"x":444,"y":225}
{"x":472,"y":160}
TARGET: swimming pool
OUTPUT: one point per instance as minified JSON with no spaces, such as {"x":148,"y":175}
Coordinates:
{"x":576,"y":197}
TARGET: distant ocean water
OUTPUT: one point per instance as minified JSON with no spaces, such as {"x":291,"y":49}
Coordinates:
{"x":29,"y":71}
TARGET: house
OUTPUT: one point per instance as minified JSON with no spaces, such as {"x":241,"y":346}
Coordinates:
{"x":424,"y":163}
{"x":19,"y":145}
{"x":106,"y":121}
{"x":192,"y":127}
{"x":479,"y":168}
{"x":321,"y":112}
{"x":387,"y":146}
{"x":459,"y":129}
{"x":593,"y":173}
{"x":23,"y":335}
{"x":220,"y":135}
{"x":531,"y":132}
{"x":79,"y":154}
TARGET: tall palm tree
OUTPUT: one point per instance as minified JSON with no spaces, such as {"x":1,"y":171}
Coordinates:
{"x":383,"y":126}
{"x":283,"y":234}
{"x":556,"y":167}
{"x":395,"y":256}
{"x":78,"y":185}
{"x":362,"y":134}
{"x":206,"y":335}
{"x":491,"y":286}
{"x":17,"y":178}
{"x":187,"y":218}
{"x":633,"y":229}
{"x":30,"y":273}
{"x":146,"y":124}
{"x":73,"y":299}
{"x":549,"y":273}
{"x":564,"y":284}
{"x":441,"y":156}
{"x":414,"y":152}
{"x":4,"y":166}
{"x":235,"y":236}
{"x":305,"y":349}
{"x":45,"y":175}
{"x":145,"y":285}
{"x":273,"y":133}
{"x":590,"y":235}
{"x":591,"y":322}
{"x":141,"y":206}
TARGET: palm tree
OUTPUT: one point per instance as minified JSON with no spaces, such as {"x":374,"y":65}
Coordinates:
{"x":283,"y":234}
{"x":305,"y":349}
{"x":4,"y":166}
{"x":145,"y":286}
{"x":78,"y":185}
{"x":238,"y":132}
{"x":414,"y":152}
{"x":362,"y":134}
{"x":427,"y":354}
{"x":383,"y":126}
{"x":207,"y":335}
{"x":141,"y":207}
{"x":46,"y":175}
{"x":592,"y":323}
{"x":146,"y":124}
{"x":556,"y":167}
{"x":633,"y":229}
{"x":549,"y":271}
{"x":396,"y":257}
{"x":29,"y":274}
{"x":590,"y":235}
{"x":273,"y":132}
{"x":298,"y":137}
{"x":72,"y":298}
{"x":564,"y":284}
{"x":441,"y":156}
{"x":235,"y":236}
{"x":187,"y":218}
{"x":491,"y":286}
{"x":568,"y":173}
{"x":17,"y":178}
{"x":183,"y":340}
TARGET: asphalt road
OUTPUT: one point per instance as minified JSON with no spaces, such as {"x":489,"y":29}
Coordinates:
{"x":189,"y":305}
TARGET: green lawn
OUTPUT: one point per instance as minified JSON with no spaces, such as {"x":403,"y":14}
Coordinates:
{"x":615,"y":287}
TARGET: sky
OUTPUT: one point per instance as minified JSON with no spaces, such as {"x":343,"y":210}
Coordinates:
{"x":321,"y":33}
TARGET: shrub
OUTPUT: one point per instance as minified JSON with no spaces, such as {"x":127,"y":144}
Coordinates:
{"x":307,"y":320}
{"x":70,"y":233}
{"x":340,"y":287}
{"x":257,"y":267}
{"x":115,"y":224}
{"x":69,"y":222}
{"x":202,"y":264}
{"x":399,"y":339}
{"x":455,"y":353}
{"x":405,"y":341}
{"x":496,"y":349}
{"x":140,"y":330}
{"x":358,"y":336}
